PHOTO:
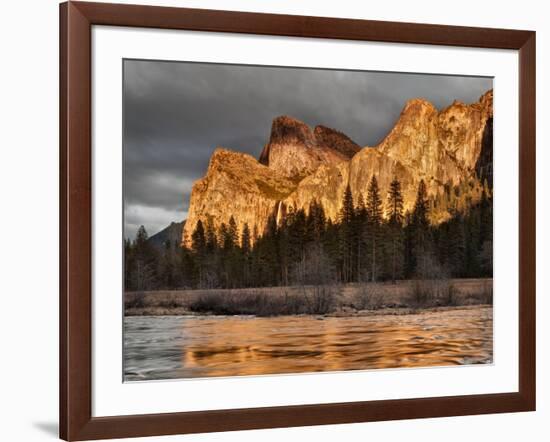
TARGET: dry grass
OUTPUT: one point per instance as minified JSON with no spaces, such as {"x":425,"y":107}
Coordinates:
{"x":316,"y":300}
{"x":368,"y":297}
{"x":319,"y":301}
{"x":434,"y":293}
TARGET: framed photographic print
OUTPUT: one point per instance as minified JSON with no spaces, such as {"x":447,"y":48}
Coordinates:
{"x":272,"y":220}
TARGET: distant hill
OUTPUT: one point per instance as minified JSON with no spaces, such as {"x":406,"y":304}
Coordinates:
{"x":173,"y":233}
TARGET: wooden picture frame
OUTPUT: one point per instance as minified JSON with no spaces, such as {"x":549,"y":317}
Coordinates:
{"x":76,"y":21}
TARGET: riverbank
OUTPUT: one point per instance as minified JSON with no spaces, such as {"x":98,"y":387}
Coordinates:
{"x":401,"y":298}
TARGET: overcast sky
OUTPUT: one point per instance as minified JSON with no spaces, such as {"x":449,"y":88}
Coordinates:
{"x":176,"y":114}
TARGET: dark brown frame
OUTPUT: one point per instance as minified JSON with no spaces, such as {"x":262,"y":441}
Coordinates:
{"x":76,"y":421}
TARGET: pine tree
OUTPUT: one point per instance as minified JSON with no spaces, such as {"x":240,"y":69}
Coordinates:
{"x":223,"y":237}
{"x":486,"y":208}
{"x":360,"y":227}
{"x":331,"y":244}
{"x":145,"y":272}
{"x":129,"y":265}
{"x":296,"y":240}
{"x":456,"y":251}
{"x":486,"y":231}
{"x":347,"y":210}
{"x":409,"y":262}
{"x":141,"y":238}
{"x":198,"y":241}
{"x":394,"y":214}
{"x":472,"y":229}
{"x":245,"y":239}
{"x":266,"y":261}
{"x":346,"y":217}
{"x":315,"y":223}
{"x":394,"y":205}
{"x":188,"y":267}
{"x":230,"y":254}
{"x":210,"y":235}
{"x":374,"y":213}
{"x":167,"y":267}
{"x":421,"y":206}
{"x":233,"y":233}
{"x":421,"y":232}
{"x":245,"y":250}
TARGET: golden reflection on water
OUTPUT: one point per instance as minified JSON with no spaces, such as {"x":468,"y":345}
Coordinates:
{"x":232,"y":346}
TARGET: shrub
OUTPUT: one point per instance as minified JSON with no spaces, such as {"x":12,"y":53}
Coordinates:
{"x":170,"y":301}
{"x":421,"y":295}
{"x":219,"y":303}
{"x":448,"y":295}
{"x":134,"y":300}
{"x":487,"y":293}
{"x":320,"y":300}
{"x":368,"y":298}
{"x":433,"y":292}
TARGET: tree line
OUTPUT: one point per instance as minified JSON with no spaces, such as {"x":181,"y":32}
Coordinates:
{"x":373,"y":239}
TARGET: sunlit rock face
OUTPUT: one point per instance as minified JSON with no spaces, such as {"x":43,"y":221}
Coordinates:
{"x":295,"y":151}
{"x":441,"y":146}
{"x":298,"y":165}
{"x":235,"y":184}
{"x":327,"y":184}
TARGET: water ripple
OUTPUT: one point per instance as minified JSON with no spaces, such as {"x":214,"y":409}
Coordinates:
{"x":188,"y":347}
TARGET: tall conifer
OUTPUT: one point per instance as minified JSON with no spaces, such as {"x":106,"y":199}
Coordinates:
{"x":346,"y":217}
{"x":394,"y":214}
{"x":421,"y":232}
{"x":374,"y":213}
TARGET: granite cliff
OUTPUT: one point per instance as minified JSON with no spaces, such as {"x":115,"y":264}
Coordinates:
{"x":295,"y":151}
{"x":446,"y":149}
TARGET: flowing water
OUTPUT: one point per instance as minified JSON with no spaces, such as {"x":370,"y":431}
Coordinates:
{"x":168,"y":347}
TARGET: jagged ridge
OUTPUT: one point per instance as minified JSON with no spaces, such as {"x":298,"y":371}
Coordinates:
{"x":298,"y":164}
{"x":296,"y":151}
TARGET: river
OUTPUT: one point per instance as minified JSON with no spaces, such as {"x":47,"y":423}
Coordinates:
{"x":170,"y":347}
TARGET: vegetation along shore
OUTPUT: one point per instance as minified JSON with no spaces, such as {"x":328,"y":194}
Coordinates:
{"x":403,"y":297}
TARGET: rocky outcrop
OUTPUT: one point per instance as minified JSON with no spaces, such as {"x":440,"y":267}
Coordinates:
{"x":235,"y":184}
{"x":439,"y":146}
{"x":298,"y":165}
{"x":328,"y":183}
{"x":295,"y":151}
{"x":328,"y":138}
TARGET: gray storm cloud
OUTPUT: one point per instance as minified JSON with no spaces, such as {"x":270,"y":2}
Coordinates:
{"x":177,"y":113}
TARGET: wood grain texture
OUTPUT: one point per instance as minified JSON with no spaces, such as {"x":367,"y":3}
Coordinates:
{"x":76,"y":221}
{"x":527,"y":220}
{"x":63,"y":300}
{"x":299,"y":26}
{"x":76,"y":421}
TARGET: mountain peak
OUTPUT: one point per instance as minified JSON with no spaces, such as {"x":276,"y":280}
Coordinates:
{"x":336,"y":140}
{"x":418,"y":105}
{"x":172,"y":233}
{"x":224,"y":158}
{"x":286,"y":129}
{"x":486,"y":103}
{"x":295,"y":151}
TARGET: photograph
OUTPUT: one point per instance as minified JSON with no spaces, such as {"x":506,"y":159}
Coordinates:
{"x":282,"y":220}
